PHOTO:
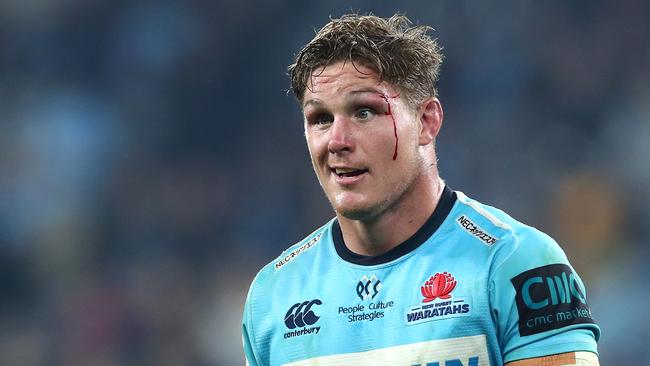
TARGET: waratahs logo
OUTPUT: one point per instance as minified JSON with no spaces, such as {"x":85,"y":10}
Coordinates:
{"x":439,"y":285}
{"x":438,"y":301}
{"x":301,"y":315}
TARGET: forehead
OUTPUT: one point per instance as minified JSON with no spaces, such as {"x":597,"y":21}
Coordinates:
{"x":342,"y":78}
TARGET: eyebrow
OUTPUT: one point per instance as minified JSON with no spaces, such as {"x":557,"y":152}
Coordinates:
{"x":316,"y":101}
{"x":366,"y":91}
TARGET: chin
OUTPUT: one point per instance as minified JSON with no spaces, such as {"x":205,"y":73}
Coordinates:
{"x":356,"y":214}
{"x":361,"y":211}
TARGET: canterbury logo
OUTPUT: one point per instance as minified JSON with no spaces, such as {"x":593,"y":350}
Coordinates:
{"x":368,"y":288}
{"x":439,"y":285}
{"x":300,"y":314}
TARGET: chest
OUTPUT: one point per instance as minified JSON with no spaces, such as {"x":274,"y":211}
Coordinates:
{"x":439,"y":307}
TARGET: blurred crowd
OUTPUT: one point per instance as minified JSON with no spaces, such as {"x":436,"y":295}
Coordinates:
{"x":151,"y":161}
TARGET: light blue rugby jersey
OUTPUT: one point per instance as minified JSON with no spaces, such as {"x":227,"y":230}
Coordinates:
{"x":472,"y":287}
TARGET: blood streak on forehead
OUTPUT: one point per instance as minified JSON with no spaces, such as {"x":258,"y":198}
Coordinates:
{"x":389,"y":112}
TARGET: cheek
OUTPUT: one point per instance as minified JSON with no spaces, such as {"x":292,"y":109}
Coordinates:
{"x":387,"y":142}
{"x":316,"y":147}
{"x":408,"y":132}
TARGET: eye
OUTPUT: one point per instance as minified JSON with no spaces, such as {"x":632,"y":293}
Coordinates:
{"x":364,"y":113}
{"x":322,"y":119}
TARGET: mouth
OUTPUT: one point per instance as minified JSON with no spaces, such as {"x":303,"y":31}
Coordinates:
{"x":348,"y":172}
{"x":348,"y":176}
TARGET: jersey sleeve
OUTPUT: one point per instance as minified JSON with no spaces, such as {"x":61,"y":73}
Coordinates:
{"x":248,"y":350}
{"x":249,"y":353}
{"x":538,"y":301}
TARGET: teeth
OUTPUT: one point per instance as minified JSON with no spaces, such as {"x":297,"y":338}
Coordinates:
{"x":344,"y":170}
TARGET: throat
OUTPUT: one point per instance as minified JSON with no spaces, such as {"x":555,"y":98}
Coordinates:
{"x":371,"y":237}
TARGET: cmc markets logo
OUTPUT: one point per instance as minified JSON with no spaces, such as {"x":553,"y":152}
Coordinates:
{"x":301,"y":315}
{"x":368,"y":288}
{"x":438,"y":299}
{"x":550,"y":297}
{"x":439,"y":285}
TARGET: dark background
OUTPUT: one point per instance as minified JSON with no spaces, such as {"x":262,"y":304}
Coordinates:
{"x":151,"y":161}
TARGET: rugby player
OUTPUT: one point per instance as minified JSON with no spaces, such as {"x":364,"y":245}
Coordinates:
{"x":409,"y":271}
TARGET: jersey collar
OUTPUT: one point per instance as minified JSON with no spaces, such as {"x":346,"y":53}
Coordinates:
{"x":447,"y":200}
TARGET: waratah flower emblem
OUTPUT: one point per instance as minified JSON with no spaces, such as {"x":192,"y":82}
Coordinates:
{"x":438,"y":286}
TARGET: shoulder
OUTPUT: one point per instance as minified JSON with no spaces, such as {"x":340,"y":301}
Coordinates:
{"x":274,"y":288}
{"x":538,"y":301}
{"x":293,"y":258}
{"x":509,"y":238}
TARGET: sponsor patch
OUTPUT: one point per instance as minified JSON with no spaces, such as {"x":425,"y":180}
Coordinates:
{"x":300,"y":316}
{"x":438,"y":303}
{"x":550,"y":297}
{"x":367,"y":288}
{"x":358,"y":313}
{"x":294,"y":253}
{"x":475,"y":230}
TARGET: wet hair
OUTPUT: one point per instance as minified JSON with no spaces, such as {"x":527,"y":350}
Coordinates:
{"x":400,"y":53}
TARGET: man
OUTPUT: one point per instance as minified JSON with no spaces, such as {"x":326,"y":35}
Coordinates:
{"x":409,"y":272}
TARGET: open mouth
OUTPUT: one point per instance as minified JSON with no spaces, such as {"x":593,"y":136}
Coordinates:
{"x":348,"y":172}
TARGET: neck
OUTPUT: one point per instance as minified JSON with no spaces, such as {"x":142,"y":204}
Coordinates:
{"x":395,"y":225}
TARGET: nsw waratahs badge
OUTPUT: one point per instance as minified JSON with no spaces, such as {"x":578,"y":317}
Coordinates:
{"x":438,"y":302}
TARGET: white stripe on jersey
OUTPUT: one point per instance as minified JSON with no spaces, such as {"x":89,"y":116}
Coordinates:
{"x":493,"y":219}
{"x":468,"y":350}
{"x":586,"y":359}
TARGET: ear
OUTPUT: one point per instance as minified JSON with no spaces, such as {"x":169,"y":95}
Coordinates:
{"x":431,"y":116}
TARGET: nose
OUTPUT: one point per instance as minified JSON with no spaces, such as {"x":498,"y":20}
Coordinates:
{"x":341,"y":138}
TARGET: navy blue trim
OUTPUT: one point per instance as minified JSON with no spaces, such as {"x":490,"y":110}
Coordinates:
{"x":447,"y":200}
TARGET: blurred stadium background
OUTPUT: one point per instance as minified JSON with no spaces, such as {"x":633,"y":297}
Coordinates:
{"x":151,"y":161}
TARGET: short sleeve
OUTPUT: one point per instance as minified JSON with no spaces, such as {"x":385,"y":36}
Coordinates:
{"x":538,"y":301}
{"x":249,"y":353}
